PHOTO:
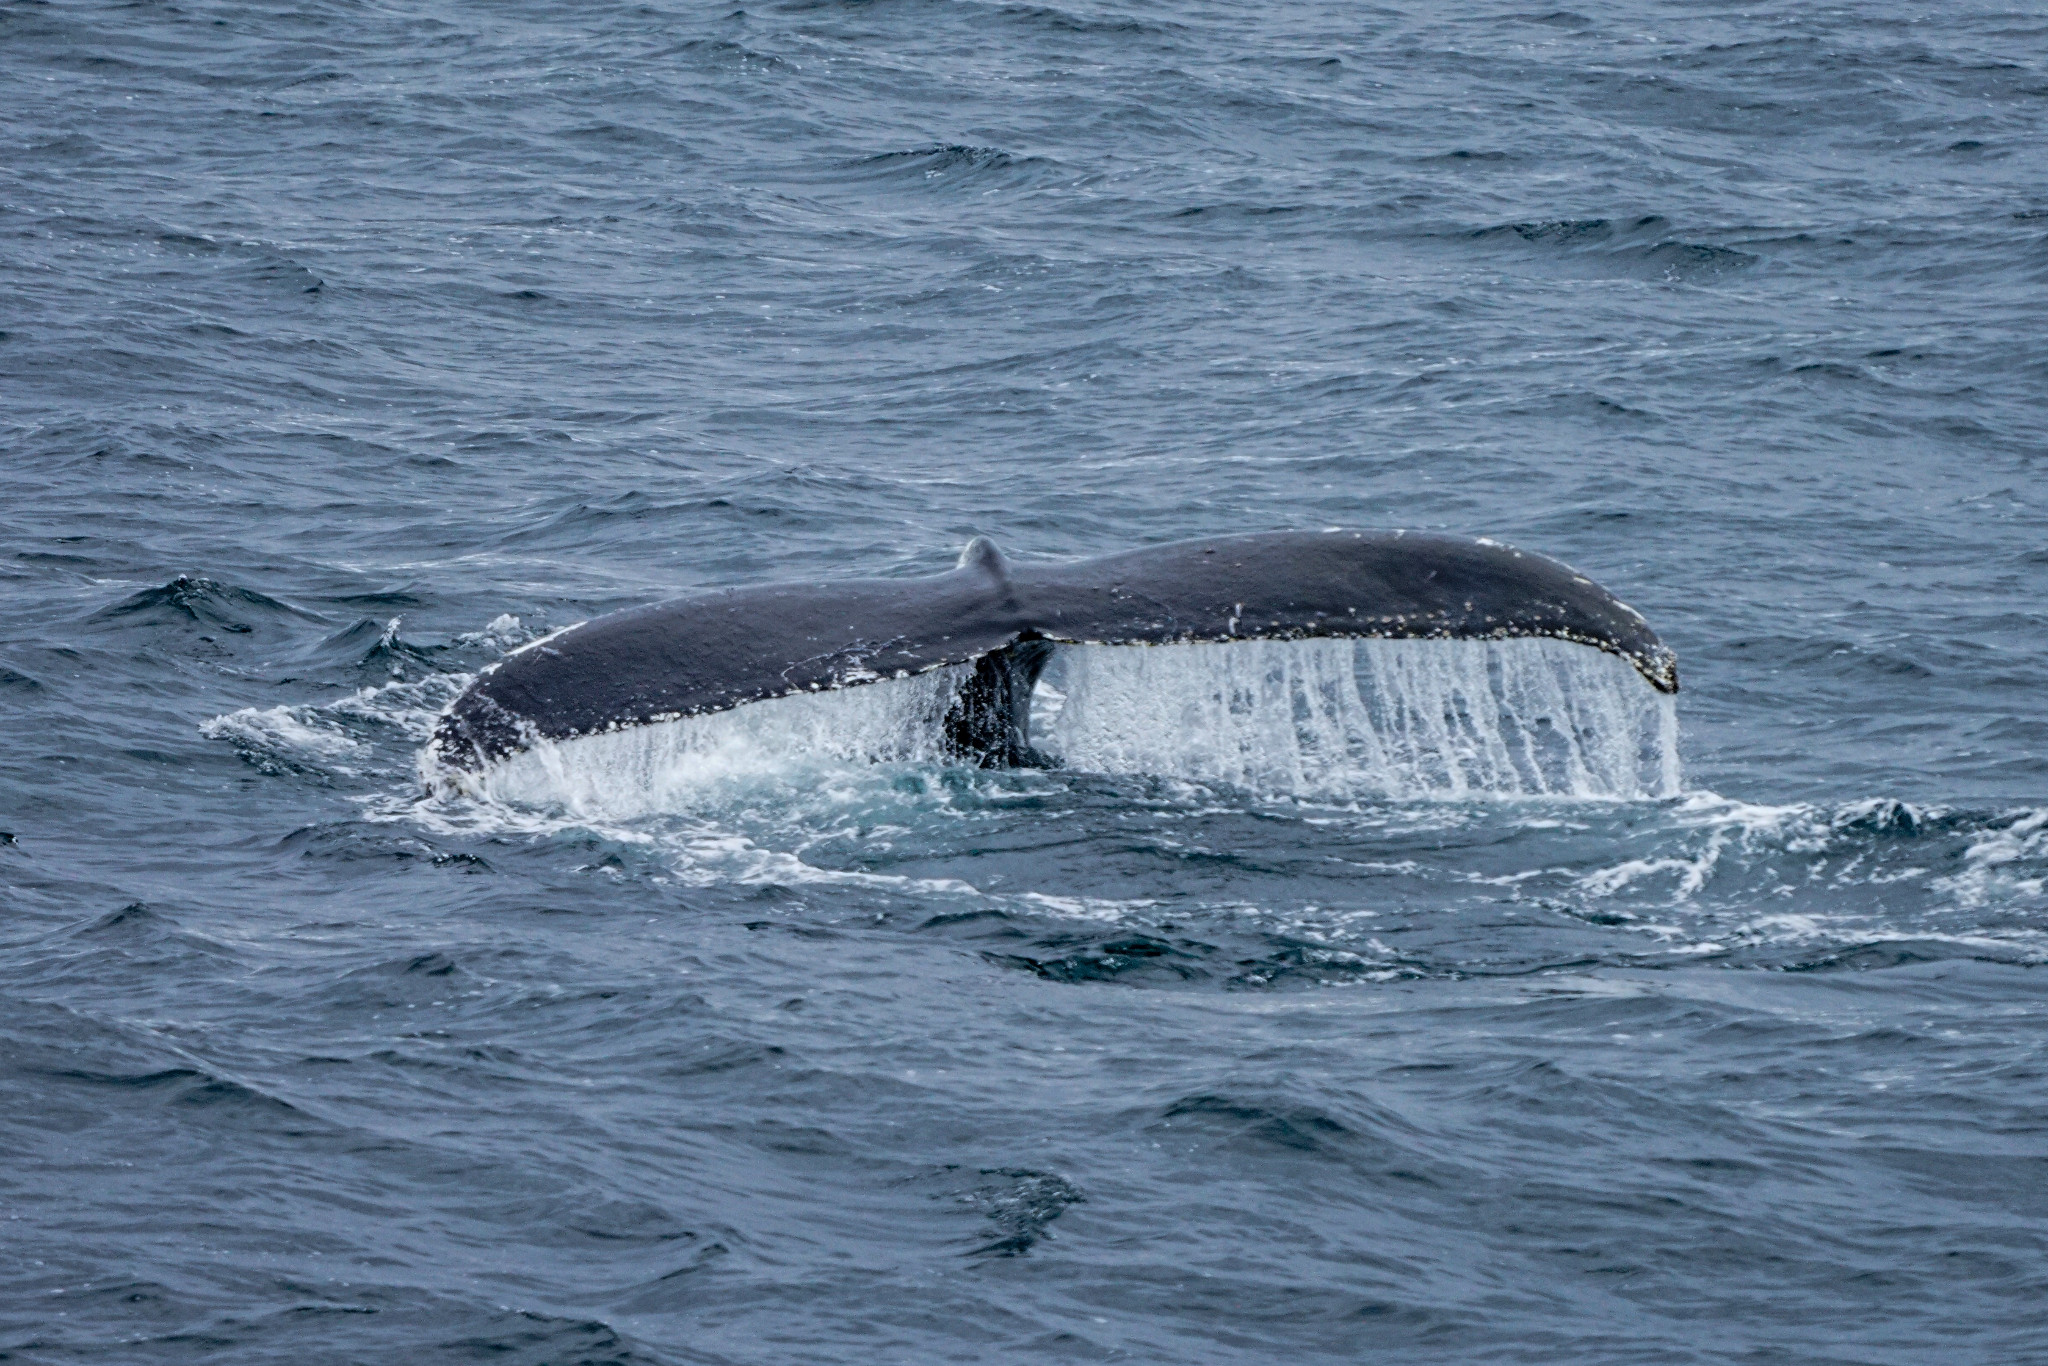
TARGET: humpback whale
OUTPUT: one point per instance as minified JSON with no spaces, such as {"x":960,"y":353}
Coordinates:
{"x":712,"y":651}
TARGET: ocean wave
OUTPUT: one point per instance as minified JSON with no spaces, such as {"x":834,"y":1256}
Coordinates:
{"x":1642,"y":247}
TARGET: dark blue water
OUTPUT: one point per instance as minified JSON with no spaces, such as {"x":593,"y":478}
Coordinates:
{"x":344,"y":346}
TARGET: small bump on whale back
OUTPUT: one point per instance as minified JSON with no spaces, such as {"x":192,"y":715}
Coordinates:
{"x":981,"y":553}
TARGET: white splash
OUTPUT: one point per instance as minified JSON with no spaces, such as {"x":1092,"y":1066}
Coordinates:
{"x":2002,"y":864}
{"x":282,"y":730}
{"x":1401,"y":719}
{"x":312,"y":736}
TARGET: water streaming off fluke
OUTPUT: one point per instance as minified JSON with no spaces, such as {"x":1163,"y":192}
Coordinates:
{"x":1369,"y":718}
{"x":1319,"y":719}
{"x":690,"y":763}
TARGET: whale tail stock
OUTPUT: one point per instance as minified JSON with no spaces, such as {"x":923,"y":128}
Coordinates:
{"x":716,"y":650}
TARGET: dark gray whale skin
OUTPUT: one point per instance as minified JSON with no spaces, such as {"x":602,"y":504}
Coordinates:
{"x":712,"y":651}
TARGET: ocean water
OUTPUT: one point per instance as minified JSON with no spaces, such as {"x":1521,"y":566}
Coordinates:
{"x":1399,"y":1003}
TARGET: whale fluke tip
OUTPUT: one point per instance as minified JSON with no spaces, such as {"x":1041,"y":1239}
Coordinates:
{"x":1659,"y":667}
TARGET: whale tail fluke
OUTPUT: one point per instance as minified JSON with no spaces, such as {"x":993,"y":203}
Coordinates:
{"x":723,"y":649}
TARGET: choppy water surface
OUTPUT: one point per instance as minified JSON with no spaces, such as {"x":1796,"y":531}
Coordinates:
{"x":1400,"y":1003}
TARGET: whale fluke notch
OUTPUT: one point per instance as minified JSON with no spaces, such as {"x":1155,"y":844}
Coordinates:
{"x":716,"y":650}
